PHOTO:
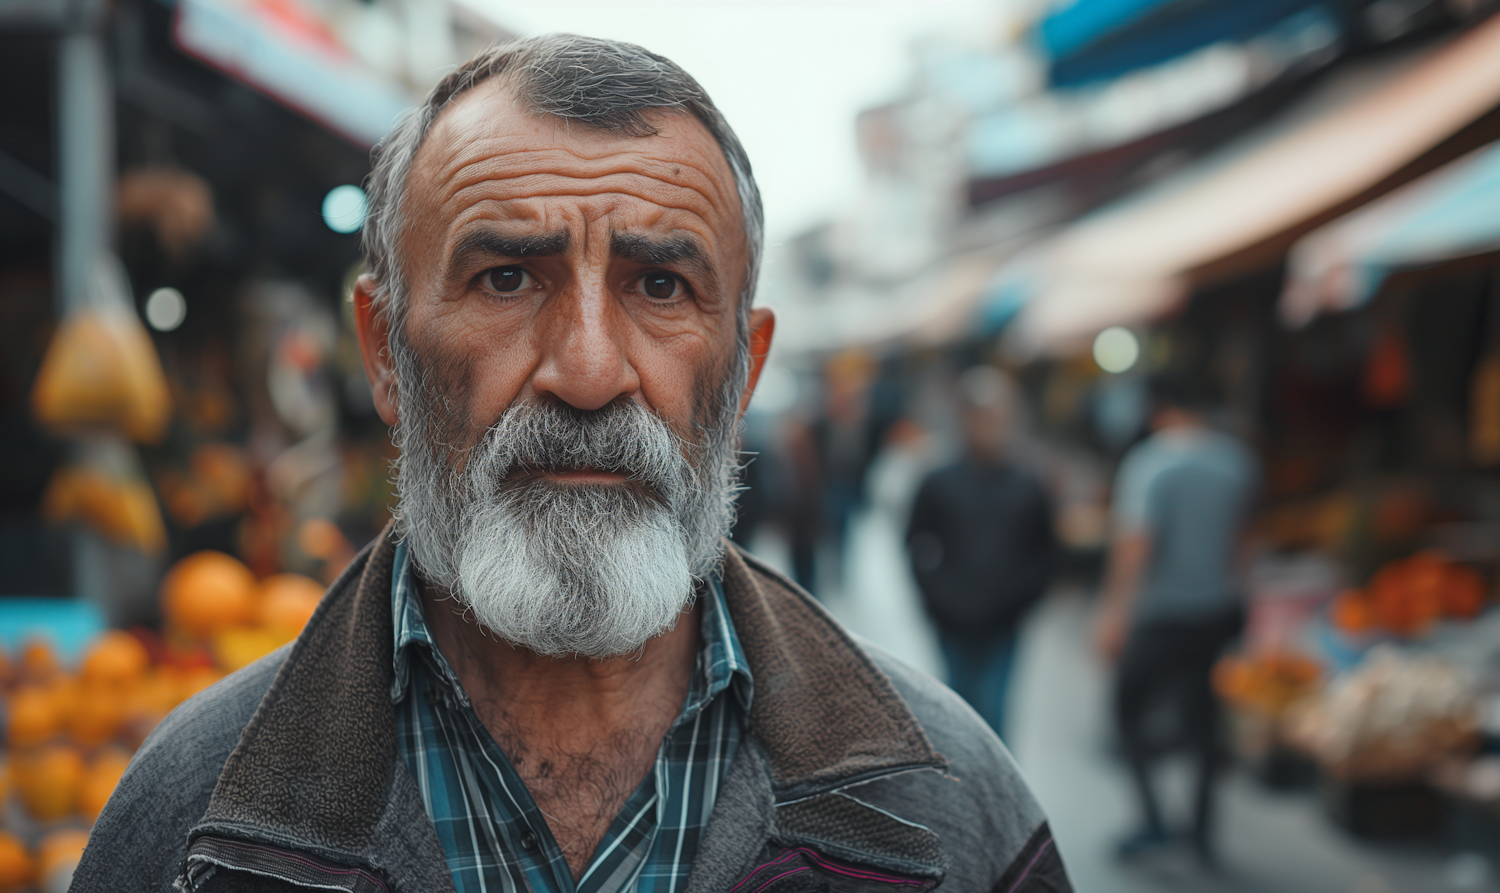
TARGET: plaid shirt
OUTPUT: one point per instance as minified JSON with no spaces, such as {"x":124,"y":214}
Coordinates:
{"x":493,"y":834}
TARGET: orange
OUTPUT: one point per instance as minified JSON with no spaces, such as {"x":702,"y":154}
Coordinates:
{"x":35,"y":716}
{"x":47,"y":780}
{"x":1463,"y":596}
{"x":287,"y":601}
{"x":1352,"y":612}
{"x":116,"y":660}
{"x":17,"y":870}
{"x":97,"y":714}
{"x":100,"y":780}
{"x":39,"y":662}
{"x":207,"y":592}
{"x":60,"y":851}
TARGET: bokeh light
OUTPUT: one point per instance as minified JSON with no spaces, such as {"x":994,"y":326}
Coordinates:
{"x":1116,"y":349}
{"x":344,"y":208}
{"x":166,"y":309}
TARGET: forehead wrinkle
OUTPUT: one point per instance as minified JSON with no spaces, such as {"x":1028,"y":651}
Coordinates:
{"x":492,"y":159}
{"x":479,"y":166}
{"x":529,"y":181}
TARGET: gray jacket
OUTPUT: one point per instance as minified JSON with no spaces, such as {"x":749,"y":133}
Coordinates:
{"x":857,"y":772}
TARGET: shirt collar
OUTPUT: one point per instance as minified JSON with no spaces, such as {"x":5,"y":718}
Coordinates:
{"x":721,"y":661}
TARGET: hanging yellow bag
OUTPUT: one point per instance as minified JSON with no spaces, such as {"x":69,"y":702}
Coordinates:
{"x":101,"y":371}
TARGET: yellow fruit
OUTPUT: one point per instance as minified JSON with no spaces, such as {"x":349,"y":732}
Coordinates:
{"x":17,"y":869}
{"x":47,"y":780}
{"x":207,"y":592}
{"x":242,"y":646}
{"x":123,"y":509}
{"x":287,"y":601}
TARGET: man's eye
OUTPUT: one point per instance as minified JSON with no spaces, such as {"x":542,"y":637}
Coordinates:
{"x":662,"y":286}
{"x":506,"y":279}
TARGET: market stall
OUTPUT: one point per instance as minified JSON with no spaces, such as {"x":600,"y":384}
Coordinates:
{"x":1372,"y":662}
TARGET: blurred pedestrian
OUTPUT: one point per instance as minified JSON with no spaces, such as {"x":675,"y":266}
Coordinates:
{"x":982,"y":546}
{"x":1171,"y":599}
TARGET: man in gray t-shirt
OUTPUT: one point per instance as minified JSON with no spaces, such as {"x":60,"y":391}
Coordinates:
{"x":1171,"y":600}
{"x":1185,"y":488}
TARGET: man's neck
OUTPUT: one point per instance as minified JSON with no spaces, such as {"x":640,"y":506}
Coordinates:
{"x":581,"y":733}
{"x":556,"y":694}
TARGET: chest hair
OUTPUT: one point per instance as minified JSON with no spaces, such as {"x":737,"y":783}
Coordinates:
{"x":580,"y":787}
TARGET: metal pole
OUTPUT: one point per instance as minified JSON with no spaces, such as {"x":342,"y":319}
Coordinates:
{"x":86,"y":148}
{"x":85,"y":167}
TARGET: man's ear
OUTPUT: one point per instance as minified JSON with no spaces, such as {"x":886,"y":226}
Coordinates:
{"x":372,"y":328}
{"x":762,"y":327}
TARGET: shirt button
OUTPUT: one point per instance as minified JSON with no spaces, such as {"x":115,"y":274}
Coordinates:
{"x":528,"y":841}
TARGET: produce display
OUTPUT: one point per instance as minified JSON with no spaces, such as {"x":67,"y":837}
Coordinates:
{"x":1406,"y":597}
{"x":1269,"y":683}
{"x":70,"y":730}
{"x":1393,"y":717}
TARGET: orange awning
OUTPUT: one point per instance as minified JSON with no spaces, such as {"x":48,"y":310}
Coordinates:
{"x":1360,"y":134}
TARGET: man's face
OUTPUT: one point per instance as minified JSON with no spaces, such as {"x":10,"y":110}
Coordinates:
{"x":552,"y":260}
{"x":566,"y":378}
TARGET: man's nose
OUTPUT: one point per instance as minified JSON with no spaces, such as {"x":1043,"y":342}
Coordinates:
{"x":584,"y":359}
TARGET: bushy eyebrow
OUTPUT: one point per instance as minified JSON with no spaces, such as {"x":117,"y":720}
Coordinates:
{"x":683,"y":251}
{"x":490,"y":245}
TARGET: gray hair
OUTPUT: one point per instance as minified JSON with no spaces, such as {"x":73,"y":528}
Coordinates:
{"x":604,"y":84}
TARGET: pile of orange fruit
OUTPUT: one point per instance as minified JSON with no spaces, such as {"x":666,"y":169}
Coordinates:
{"x":70,"y":732}
{"x":1407,"y":596}
{"x":1267,"y":683}
{"x":69,"y":736}
{"x":50,"y":864}
{"x":210,"y":598}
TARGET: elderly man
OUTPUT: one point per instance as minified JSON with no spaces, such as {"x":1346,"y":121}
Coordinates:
{"x":552,"y":673}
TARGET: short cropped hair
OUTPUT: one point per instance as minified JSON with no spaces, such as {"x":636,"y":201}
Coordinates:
{"x":604,"y":84}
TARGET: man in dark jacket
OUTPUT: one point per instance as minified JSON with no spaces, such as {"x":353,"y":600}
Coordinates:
{"x":982,"y":546}
{"x":552,"y":674}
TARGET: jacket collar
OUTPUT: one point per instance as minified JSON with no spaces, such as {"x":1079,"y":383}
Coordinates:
{"x":826,"y":716}
{"x":315,"y":767}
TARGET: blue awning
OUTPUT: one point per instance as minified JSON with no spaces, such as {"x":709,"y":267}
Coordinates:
{"x":1097,"y":40}
{"x":1449,"y":214}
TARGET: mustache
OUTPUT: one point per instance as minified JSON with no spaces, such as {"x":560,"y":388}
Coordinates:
{"x":540,"y":435}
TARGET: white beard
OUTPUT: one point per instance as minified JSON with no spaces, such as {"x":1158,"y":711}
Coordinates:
{"x":594,"y":570}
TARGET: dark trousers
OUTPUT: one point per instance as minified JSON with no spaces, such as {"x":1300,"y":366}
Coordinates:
{"x":1164,"y":675}
{"x":979,"y":670}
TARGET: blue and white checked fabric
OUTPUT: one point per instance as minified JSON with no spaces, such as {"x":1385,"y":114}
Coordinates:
{"x":494,"y":837}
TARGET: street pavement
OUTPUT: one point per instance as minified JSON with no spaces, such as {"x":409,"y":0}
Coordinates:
{"x":1270,"y":842}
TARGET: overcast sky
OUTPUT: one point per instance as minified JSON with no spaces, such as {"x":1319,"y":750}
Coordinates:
{"x":790,"y":75}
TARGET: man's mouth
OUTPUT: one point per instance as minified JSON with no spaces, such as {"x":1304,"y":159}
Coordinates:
{"x":582,"y":476}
